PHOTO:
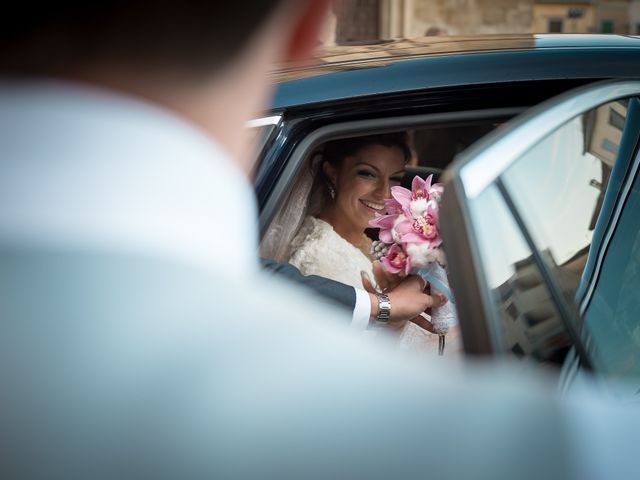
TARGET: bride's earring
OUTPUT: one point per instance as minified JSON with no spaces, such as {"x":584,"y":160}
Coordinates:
{"x":332,"y":192}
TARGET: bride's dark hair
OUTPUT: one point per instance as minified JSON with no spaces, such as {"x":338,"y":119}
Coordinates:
{"x":335,"y":151}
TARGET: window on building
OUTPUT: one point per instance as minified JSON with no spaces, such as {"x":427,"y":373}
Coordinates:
{"x":555,"y":25}
{"x":616,"y":119}
{"x":607,"y":26}
{"x":575,"y":13}
{"x":610,"y":146}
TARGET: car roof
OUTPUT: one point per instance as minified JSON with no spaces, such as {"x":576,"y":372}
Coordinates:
{"x":428,"y":62}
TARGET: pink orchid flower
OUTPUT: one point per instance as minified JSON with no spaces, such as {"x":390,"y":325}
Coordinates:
{"x":422,"y":229}
{"x":396,"y":260}
{"x":403,"y":197}
{"x":385,"y":223}
{"x":392,"y":206}
{"x":420,"y":188}
{"x":436,"y":190}
{"x":430,"y":228}
{"x":425,"y":189}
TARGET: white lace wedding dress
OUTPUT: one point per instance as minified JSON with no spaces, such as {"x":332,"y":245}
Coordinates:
{"x":318,"y":250}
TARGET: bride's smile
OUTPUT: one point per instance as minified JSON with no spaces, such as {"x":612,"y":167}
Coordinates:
{"x":376,"y":207}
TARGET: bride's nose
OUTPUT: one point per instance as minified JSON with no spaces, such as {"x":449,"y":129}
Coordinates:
{"x":384,"y":189}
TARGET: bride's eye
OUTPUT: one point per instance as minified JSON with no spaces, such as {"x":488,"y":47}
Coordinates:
{"x":395,"y":181}
{"x":366,"y":174}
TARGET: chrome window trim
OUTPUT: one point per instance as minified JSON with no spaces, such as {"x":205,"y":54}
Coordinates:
{"x":345,"y":129}
{"x":481,"y":164}
{"x":609,"y":233}
{"x":568,"y":372}
{"x":264,"y":121}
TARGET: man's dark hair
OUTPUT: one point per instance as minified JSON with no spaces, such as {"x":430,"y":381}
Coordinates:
{"x":194,"y":36}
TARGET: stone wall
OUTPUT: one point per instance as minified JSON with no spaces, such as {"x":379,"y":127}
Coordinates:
{"x":634,"y":17}
{"x":357,"y":21}
{"x":471,"y":17}
{"x":361,"y":21}
{"x":545,"y":15}
{"x":613,"y":13}
{"x":367,"y":20}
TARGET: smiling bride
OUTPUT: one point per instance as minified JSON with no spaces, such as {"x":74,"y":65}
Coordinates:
{"x":351,"y":183}
{"x":351,"y":179}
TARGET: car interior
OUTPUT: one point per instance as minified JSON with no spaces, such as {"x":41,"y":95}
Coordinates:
{"x":433,"y":148}
{"x":529,"y":326}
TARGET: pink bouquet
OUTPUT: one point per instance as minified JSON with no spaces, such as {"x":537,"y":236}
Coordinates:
{"x":410,"y":242}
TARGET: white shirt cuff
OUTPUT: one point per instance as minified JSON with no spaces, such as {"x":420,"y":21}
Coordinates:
{"x":362,"y":311}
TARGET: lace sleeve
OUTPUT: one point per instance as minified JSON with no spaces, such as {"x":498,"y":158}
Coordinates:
{"x":311,"y":252}
{"x":318,"y":250}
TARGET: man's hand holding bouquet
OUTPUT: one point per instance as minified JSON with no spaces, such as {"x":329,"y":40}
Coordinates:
{"x":410,"y":242}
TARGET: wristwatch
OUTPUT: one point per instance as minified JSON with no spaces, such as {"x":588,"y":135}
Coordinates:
{"x":384,"y":309}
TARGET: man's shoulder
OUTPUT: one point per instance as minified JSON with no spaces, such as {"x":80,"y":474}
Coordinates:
{"x":119,"y":290}
{"x":171,"y":358}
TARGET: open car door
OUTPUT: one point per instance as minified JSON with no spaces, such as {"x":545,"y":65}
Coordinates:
{"x":544,"y":238}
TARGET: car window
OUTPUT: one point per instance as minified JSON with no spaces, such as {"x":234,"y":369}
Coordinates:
{"x":558,"y":187}
{"x":529,"y":324}
{"x":432,"y":146}
{"x":568,"y":188}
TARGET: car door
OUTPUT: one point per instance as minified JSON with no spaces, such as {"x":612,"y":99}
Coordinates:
{"x":544,"y":234}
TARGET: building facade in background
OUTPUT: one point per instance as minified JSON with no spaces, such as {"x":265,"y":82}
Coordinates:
{"x":634,"y":17}
{"x":360,"y":21}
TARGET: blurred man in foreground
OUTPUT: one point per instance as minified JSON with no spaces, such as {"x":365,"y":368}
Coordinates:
{"x":138,"y":337}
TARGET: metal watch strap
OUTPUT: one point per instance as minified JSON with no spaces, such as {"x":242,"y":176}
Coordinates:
{"x":384,"y":309}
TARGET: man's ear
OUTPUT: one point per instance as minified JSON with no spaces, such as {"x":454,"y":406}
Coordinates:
{"x":306,"y":32}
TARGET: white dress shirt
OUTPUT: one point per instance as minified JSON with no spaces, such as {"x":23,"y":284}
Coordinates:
{"x":106,"y":169}
{"x":362,"y":311}
{"x":178,"y":210}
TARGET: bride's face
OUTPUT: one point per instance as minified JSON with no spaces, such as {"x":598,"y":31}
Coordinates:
{"x":363,"y":182}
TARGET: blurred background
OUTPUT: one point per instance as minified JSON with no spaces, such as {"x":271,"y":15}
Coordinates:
{"x":356,"y":22}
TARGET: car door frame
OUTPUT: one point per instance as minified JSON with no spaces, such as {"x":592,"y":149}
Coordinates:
{"x":359,"y":127}
{"x":297,"y":122}
{"x":481,"y":166}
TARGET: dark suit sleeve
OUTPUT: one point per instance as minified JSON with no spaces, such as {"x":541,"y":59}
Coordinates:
{"x":335,"y":291}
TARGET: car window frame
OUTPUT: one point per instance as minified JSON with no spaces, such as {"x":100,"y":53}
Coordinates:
{"x":480,"y":167}
{"x":270,"y":124}
{"x":295,"y":161}
{"x":620,"y":201}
